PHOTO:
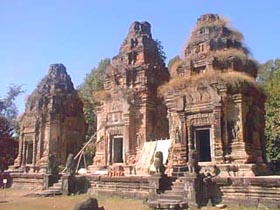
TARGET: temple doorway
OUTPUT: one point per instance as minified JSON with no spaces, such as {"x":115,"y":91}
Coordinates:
{"x":203,"y":144}
{"x":117,"y":150}
{"x":29,"y":152}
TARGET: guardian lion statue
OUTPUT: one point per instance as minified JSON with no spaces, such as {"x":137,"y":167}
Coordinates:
{"x":158,"y":162}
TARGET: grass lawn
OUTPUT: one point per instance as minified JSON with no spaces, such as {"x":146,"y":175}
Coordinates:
{"x":15,"y":200}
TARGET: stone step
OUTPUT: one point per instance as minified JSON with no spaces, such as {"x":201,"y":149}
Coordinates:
{"x":45,"y":193}
{"x":163,"y":200}
{"x":177,"y":186}
{"x":170,"y":196}
{"x":52,"y":192}
{"x":181,"y":154}
{"x":177,"y":183}
{"x":178,"y":189}
{"x":167,"y":204}
{"x":180,"y":168}
{"x":178,"y":174}
{"x":122,"y":193}
{"x":118,"y":186}
{"x":173,"y":193}
{"x":55,"y":188}
{"x":179,"y":147}
{"x":57,"y":185}
{"x":174,"y":198}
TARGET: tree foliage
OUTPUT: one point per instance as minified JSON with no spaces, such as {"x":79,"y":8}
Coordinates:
{"x":92,"y":82}
{"x":172,"y":61}
{"x":269,"y":76}
{"x":266,"y":70}
{"x":174,"y":64}
{"x":8,"y":114}
{"x":8,"y":107}
{"x":8,"y":144}
{"x":161,"y":50}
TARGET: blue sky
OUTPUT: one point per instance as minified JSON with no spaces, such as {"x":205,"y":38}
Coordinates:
{"x":35,"y":34}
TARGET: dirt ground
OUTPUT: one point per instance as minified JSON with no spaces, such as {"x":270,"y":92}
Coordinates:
{"x":16,"y":200}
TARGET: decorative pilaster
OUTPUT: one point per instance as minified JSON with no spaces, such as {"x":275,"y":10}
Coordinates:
{"x":128,"y":139}
{"x":18,"y":160}
{"x":190,"y":139}
{"x":239,"y":153}
{"x":34,"y":151}
{"x":217,"y":135}
{"x":39,"y":145}
{"x":107,"y":148}
{"x":23,"y":152}
{"x":183,"y":128}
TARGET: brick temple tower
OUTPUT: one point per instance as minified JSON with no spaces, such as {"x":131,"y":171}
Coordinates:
{"x":131,"y":112}
{"x":214,"y":104}
{"x":52,"y":124}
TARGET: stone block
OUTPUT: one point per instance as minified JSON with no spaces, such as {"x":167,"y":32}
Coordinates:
{"x":89,"y":204}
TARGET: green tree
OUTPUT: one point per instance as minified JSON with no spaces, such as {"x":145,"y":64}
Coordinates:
{"x":92,"y":82}
{"x":266,"y":70}
{"x":172,"y":61}
{"x":8,"y":107}
{"x":8,"y":144}
{"x":270,"y":80}
{"x":160,"y":50}
{"x":8,"y":114}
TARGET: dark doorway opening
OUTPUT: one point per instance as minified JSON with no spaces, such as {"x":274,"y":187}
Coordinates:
{"x":203,"y":146}
{"x":29,"y":152}
{"x":118,"y":150}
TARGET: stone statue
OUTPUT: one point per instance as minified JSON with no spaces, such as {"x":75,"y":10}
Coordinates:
{"x":158,"y":162}
{"x":70,"y":164}
{"x":192,"y":161}
{"x":210,"y":190}
{"x":52,"y":166}
{"x":90,"y":203}
{"x":235,"y":130}
{"x":139,"y":140}
{"x":177,"y":135}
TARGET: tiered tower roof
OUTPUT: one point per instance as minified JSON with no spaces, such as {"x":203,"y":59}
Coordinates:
{"x":215,"y":46}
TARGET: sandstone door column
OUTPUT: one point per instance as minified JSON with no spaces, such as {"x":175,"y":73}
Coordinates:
{"x":217,"y":146}
{"x":183,"y":128}
{"x":239,"y":153}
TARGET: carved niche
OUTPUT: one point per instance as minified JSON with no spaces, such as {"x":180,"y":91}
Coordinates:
{"x":234,"y":123}
{"x":174,"y":124}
